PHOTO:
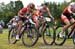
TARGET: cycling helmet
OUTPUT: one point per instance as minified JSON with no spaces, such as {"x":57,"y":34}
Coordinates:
{"x":72,"y":5}
{"x":31,"y":5}
{"x":16,"y":18}
{"x":46,"y":3}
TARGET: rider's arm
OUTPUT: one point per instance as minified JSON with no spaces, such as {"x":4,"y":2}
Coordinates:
{"x":12,"y":20}
{"x":69,"y":9}
{"x":49,"y":13}
{"x":22,"y":12}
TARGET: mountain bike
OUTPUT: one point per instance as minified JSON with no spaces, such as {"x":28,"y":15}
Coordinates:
{"x":46,"y":29}
{"x":28,"y":34}
{"x":66,"y":34}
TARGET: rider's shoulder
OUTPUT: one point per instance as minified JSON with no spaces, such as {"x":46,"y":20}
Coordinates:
{"x":24,"y":9}
{"x":39,"y":7}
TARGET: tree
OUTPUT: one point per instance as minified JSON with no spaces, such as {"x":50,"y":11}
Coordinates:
{"x":72,"y":0}
{"x":18,"y":6}
{"x":9,"y":10}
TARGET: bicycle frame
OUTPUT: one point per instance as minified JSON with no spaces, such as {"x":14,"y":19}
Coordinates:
{"x":24,"y":27}
{"x":71,"y":32}
{"x":44,"y":24}
{"x":68,"y":34}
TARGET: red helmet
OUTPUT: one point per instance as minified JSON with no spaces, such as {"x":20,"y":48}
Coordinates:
{"x":31,"y":5}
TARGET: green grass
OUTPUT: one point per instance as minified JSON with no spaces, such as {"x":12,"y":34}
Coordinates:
{"x":39,"y":45}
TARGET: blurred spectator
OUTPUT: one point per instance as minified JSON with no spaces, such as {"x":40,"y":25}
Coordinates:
{"x":1,"y":26}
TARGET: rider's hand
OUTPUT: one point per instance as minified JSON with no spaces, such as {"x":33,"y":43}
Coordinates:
{"x":52,"y":18}
{"x":41,"y":16}
{"x":26,"y":17}
{"x":73,"y":14}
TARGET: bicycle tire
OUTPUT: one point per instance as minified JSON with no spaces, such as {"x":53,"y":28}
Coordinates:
{"x":24,"y":35}
{"x":58,"y":38}
{"x":49,"y":30}
{"x":74,"y":38}
{"x":11,"y":34}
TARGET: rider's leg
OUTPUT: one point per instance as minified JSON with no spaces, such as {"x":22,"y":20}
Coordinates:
{"x":43,"y":24}
{"x":36,"y":25}
{"x":35,"y":19}
{"x":19,"y":29}
{"x":72,"y":21}
{"x":67,"y":23}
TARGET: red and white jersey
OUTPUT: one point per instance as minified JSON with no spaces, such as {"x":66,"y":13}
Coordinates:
{"x":67,"y":10}
{"x":42,"y":10}
{"x":25,"y":11}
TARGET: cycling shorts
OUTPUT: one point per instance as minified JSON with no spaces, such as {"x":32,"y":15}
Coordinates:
{"x":63,"y":18}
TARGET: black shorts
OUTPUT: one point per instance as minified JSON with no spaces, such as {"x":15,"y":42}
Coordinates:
{"x":69,"y":16}
{"x":22,"y":19}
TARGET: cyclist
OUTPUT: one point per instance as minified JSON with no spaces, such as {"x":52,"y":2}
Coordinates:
{"x":14,"y":19}
{"x":35,"y":18}
{"x":23,"y":13}
{"x":42,"y":11}
{"x":67,"y":16}
{"x":1,"y":26}
{"x":13,"y":22}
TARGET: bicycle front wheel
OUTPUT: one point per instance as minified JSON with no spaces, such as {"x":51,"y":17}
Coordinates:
{"x":29,"y":37}
{"x":48,"y":35}
{"x":60,"y":40}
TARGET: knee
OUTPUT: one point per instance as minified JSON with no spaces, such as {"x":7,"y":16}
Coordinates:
{"x":68,"y":24}
{"x":20,"y":23}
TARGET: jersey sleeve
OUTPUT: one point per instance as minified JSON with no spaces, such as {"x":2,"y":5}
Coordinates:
{"x":24,"y":10}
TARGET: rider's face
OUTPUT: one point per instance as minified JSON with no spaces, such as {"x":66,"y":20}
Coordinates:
{"x":73,"y":10}
{"x":30,"y":9}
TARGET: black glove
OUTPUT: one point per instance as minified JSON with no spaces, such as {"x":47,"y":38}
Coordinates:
{"x":73,"y":14}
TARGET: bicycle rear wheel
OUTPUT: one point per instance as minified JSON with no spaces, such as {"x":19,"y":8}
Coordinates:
{"x":48,"y":35}
{"x":29,"y":37}
{"x":60,"y":41}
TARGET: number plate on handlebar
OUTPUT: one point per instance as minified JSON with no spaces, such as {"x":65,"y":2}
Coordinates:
{"x":47,"y":19}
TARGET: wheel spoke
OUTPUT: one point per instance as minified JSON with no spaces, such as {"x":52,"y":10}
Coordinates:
{"x":48,"y":35}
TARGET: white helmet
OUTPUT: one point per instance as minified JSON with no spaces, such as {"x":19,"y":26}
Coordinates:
{"x":16,"y":18}
{"x":72,"y":5}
